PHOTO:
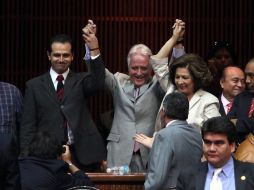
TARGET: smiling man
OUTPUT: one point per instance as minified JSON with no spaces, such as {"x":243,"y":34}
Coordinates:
{"x":232,"y":83}
{"x":221,"y":171}
{"x":57,"y":102}
{"x":137,"y":98}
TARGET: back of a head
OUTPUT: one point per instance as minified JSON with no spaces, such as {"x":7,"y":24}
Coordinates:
{"x":220,"y":125}
{"x":45,"y":146}
{"x":60,"y":38}
{"x":176,"y":106}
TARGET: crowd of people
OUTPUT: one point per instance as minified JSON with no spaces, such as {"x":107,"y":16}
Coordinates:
{"x":177,"y":117}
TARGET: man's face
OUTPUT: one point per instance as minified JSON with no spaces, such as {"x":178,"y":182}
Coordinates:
{"x":140,"y":69}
{"x":217,"y":149}
{"x":222,"y":58}
{"x":233,"y":82}
{"x":60,"y":57}
{"x":249,"y":73}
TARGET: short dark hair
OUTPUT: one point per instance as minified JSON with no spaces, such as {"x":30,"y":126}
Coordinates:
{"x":176,"y":106}
{"x":220,"y":125}
{"x":61,"y":38}
{"x":197,"y":67}
{"x":45,"y":146}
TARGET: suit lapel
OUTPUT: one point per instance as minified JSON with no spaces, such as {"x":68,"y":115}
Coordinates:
{"x":48,"y":86}
{"x":129,"y":91}
{"x":194,"y":99}
{"x":200,"y":178}
{"x":69,"y":84}
{"x":240,"y":176}
{"x":143,"y":89}
{"x":222,"y":111}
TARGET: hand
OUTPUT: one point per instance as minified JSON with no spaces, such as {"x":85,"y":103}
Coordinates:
{"x":89,"y":35}
{"x":66,"y":156}
{"x":92,"y":26}
{"x":103,"y":165}
{"x":178,"y":29}
{"x":144,"y":140}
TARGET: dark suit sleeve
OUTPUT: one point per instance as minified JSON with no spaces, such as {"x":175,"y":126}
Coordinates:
{"x":96,"y":78}
{"x":28,"y":123}
{"x":79,"y":178}
{"x":239,"y":111}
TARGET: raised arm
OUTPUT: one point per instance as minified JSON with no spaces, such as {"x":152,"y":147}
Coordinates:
{"x":160,"y":60}
{"x":178,"y":32}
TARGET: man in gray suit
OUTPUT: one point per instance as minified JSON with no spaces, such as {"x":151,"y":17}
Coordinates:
{"x":60,"y":107}
{"x":175,"y":147}
{"x":137,"y":97}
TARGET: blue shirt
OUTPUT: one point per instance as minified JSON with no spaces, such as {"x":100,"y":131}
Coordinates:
{"x":10,"y":108}
{"x":227,"y":176}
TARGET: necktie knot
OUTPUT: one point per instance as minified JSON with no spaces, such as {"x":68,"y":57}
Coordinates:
{"x":251,"y":108}
{"x":229,"y":106}
{"x":217,"y":172}
{"x":60,"y":78}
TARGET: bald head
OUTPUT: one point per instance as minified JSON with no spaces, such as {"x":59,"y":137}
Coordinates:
{"x":249,"y":73}
{"x":232,"y":82}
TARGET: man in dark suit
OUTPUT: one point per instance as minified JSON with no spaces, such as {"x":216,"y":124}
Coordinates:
{"x":219,"y":136}
{"x":241,"y":113}
{"x":232,"y":83}
{"x":175,"y":147}
{"x":10,"y":114}
{"x":60,"y":107}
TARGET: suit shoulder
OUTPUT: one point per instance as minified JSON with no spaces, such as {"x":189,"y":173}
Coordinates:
{"x":207,"y":96}
{"x":36,"y":79}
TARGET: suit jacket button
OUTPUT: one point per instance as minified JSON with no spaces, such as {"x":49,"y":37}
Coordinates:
{"x":62,"y":106}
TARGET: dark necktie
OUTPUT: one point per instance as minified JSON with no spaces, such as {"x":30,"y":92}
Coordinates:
{"x":60,"y":94}
{"x":60,"y":87}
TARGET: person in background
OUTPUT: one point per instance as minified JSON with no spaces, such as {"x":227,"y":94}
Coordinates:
{"x":57,"y":102}
{"x":220,"y":55}
{"x":49,"y":166}
{"x":232,"y":83}
{"x":10,"y":115}
{"x":175,"y":147}
{"x":221,"y":170}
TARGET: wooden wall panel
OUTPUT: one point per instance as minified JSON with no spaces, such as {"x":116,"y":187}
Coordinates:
{"x":26,"y":26}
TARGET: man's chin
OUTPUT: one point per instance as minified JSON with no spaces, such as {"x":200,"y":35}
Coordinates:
{"x":139,"y":84}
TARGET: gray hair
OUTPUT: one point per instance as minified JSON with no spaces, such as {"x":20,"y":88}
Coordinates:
{"x":141,"y":48}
